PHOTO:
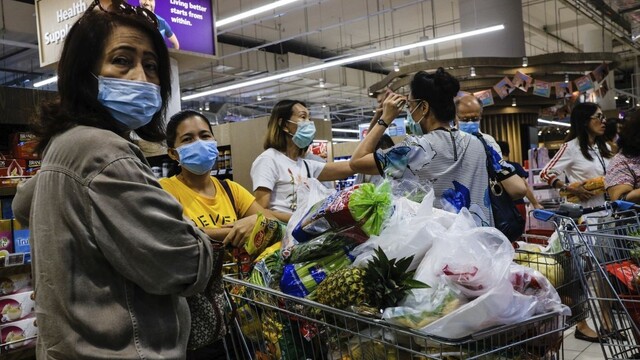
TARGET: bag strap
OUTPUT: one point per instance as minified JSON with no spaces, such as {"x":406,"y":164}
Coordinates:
{"x":227,"y":189}
{"x":490,"y":169}
{"x":308,"y":172}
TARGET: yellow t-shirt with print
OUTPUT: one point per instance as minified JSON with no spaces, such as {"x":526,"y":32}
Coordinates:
{"x":206,"y":211}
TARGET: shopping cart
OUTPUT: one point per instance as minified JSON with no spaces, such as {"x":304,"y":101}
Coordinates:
{"x":273,"y":325}
{"x":603,"y":249}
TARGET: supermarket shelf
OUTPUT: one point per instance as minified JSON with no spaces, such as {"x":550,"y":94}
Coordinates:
{"x":20,"y":354}
{"x":7,"y":191}
{"x":12,"y":270}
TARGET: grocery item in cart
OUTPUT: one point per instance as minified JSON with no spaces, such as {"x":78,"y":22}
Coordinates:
{"x":358,"y":210}
{"x":595,"y":185}
{"x":265,"y":233}
{"x":302,"y":279}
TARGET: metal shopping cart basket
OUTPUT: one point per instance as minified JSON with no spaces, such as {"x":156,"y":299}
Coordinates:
{"x":557,"y":266}
{"x":273,"y":325}
{"x":604,"y":252}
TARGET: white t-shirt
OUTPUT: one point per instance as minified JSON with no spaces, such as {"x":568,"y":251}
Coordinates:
{"x":275,"y":171}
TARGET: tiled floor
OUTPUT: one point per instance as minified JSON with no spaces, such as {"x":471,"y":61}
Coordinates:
{"x":579,"y":349}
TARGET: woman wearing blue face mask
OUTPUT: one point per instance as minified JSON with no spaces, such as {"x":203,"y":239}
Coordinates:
{"x":451,"y":161}
{"x":223,"y":210}
{"x":112,"y":254}
{"x":281,"y":167}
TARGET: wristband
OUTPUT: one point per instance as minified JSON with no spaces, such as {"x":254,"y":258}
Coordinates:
{"x":381,"y":122}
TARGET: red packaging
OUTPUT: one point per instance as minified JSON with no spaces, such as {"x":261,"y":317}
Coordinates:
{"x":11,"y":167}
{"x":23,"y":145}
{"x":18,"y":334}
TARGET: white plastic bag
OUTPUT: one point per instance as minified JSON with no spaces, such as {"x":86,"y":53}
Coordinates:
{"x":472,"y":259}
{"x":308,"y":193}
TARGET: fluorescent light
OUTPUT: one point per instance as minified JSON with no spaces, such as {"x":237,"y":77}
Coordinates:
{"x":346,"y":130}
{"x":472,"y":72}
{"x":253,"y":12}
{"x":345,"y":140}
{"x":396,"y":66}
{"x":343,"y":61}
{"x":525,"y":61}
{"x":553,"y":122}
{"x":46,"y":82}
{"x":513,"y":102}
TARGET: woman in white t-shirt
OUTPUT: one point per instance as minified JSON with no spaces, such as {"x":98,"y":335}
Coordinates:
{"x":281,"y":167}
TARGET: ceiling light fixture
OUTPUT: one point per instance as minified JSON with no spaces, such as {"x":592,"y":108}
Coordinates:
{"x":566,"y":78}
{"x":615,"y":97}
{"x":525,"y":61}
{"x":345,"y":130}
{"x":513,"y":102}
{"x":259,"y":98}
{"x":396,"y":66}
{"x":206,"y":106}
{"x":370,"y":93}
{"x":45,"y":82}
{"x":321,"y":82}
{"x":472,"y":72}
{"x":553,"y":122}
{"x":627,"y":101}
{"x":335,"y":140}
{"x":324,"y":105}
{"x":253,"y":12}
{"x":343,"y":61}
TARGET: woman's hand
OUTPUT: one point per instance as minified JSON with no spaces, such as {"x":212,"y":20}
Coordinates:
{"x":240,"y":230}
{"x":392,"y":106}
{"x":578,"y":190}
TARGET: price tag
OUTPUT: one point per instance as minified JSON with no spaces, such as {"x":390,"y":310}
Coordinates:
{"x":214,"y":172}
{"x":12,"y":260}
{"x":222,"y":171}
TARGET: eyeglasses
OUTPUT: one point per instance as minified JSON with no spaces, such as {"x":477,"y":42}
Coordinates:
{"x":469,"y":119}
{"x":122,"y":7}
{"x":600,"y":117}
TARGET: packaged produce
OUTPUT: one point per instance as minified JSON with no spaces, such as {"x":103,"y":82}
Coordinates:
{"x":358,"y":210}
{"x":268,"y":270}
{"x":302,"y":279}
{"x":326,"y":244}
{"x":265,"y":233}
{"x":16,"y":306}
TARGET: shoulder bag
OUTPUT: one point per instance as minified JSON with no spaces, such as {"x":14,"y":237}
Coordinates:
{"x":506,"y":217}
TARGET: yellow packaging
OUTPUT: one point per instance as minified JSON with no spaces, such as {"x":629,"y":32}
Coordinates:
{"x":264,"y":233}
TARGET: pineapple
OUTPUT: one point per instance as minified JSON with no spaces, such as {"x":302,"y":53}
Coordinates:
{"x":381,"y":284}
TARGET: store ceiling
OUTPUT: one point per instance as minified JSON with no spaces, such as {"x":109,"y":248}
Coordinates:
{"x":311,"y":31}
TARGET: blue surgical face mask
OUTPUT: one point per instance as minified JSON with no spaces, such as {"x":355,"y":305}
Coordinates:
{"x":131,"y":103}
{"x":414,"y":127}
{"x":304,"y":134}
{"x":470,"y":127}
{"x":199,"y":156}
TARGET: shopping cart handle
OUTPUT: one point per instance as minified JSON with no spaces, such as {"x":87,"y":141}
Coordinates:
{"x":623,"y":205}
{"x":543,"y":215}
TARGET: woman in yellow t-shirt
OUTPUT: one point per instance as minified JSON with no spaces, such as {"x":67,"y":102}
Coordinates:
{"x":205,"y":200}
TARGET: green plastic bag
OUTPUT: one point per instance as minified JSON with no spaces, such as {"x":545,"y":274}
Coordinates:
{"x":371,"y":204}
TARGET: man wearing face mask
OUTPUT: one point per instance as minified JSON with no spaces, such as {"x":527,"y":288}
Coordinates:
{"x":281,"y":168}
{"x":469,"y":114}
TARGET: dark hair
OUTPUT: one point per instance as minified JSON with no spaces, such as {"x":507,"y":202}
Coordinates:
{"x":177,"y":119}
{"x":580,"y":118}
{"x":437,"y":89}
{"x":77,"y":102}
{"x":611,"y":129}
{"x":275,"y":137}
{"x":504,"y":147}
{"x":171,"y":133}
{"x":629,"y":140}
{"x":385,"y":142}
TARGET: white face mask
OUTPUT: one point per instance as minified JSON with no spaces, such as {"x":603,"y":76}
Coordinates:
{"x":131,"y":103}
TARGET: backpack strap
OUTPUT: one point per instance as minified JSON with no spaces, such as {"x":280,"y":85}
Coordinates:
{"x":227,"y":189}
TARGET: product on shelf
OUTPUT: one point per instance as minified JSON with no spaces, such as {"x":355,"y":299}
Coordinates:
{"x":6,"y":238}
{"x":7,"y":212}
{"x":18,"y":334}
{"x":23,"y":145}
{"x":14,"y":283}
{"x":17,"y":306}
{"x":21,"y":241}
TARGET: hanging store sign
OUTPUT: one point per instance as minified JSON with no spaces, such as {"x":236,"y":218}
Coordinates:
{"x":54,"y":19}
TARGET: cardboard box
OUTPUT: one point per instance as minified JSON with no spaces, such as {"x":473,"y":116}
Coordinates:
{"x":17,"y":306}
{"x":11,"y":167}
{"x":12,"y":284}
{"x":21,"y":241}
{"x":18,"y":334}
{"x":6,"y":238}
{"x":23,"y":145}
